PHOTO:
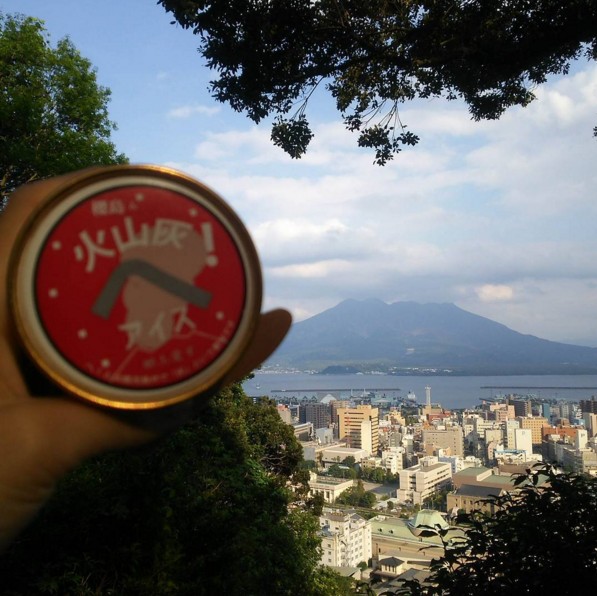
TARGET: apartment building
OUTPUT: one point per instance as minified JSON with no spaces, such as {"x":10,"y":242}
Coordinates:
{"x":523,"y":441}
{"x":590,"y":422}
{"x":589,"y":405}
{"x":360,"y":427}
{"x":522,"y":407}
{"x":535,"y":424}
{"x":334,"y":407}
{"x":501,"y":412}
{"x":345,"y":539}
{"x":319,"y":414}
{"x":576,"y":454}
{"x":579,"y":461}
{"x":419,"y":482}
{"x":510,"y":427}
{"x":451,"y":438}
{"x":480,"y":426}
{"x":392,"y":459}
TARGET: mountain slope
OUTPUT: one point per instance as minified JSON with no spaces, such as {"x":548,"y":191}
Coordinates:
{"x":409,"y":334}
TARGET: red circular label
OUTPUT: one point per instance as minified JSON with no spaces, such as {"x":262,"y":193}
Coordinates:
{"x":140,"y":287}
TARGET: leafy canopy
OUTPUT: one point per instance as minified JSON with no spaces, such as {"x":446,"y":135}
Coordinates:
{"x":53,"y":114}
{"x":374,"y":55}
{"x":357,"y":496}
{"x":216,"y":508}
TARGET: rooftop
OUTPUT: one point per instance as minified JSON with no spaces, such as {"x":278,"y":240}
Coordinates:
{"x":429,"y":518}
{"x":330,"y":480}
{"x":393,"y":527}
{"x":474,"y":490}
{"x":434,"y":466}
{"x":474,"y":471}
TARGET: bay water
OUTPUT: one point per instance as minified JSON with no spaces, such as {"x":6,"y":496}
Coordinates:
{"x":449,"y":391}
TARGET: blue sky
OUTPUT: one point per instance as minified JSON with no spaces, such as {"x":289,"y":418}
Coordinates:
{"x":497,"y":217}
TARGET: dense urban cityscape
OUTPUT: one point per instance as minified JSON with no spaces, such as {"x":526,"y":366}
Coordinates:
{"x":385,"y":469}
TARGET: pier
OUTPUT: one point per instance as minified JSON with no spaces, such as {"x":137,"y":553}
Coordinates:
{"x":538,"y":387}
{"x":314,"y":390}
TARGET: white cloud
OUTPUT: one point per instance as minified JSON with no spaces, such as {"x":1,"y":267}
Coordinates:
{"x":183,"y":112}
{"x":311,"y":270}
{"x":494,"y":293}
{"x":541,"y":158}
{"x":559,"y":309}
{"x":252,"y":145}
{"x":488,"y":215}
{"x":436,"y":117}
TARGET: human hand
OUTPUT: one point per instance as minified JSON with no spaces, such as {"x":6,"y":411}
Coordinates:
{"x":42,"y":438}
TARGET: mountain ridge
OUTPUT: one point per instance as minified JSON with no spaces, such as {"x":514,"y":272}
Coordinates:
{"x":411,"y":335}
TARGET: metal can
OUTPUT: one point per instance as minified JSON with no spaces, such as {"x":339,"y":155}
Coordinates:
{"x":134,"y":287}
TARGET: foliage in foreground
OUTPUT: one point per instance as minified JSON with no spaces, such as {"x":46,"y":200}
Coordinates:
{"x":204,"y":511}
{"x":374,"y":55}
{"x":357,"y":496}
{"x":53,"y":114}
{"x":542,"y":540}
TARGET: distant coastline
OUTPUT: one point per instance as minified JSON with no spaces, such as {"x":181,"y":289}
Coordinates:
{"x":451,"y":391}
{"x":358,"y":370}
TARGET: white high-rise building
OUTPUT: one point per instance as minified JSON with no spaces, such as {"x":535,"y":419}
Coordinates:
{"x":419,"y":482}
{"x":511,"y":426}
{"x":345,"y":539}
{"x":523,"y":441}
{"x":590,"y":421}
{"x":581,"y":439}
{"x":392,"y":459}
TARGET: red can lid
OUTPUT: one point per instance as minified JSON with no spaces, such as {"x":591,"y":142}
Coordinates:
{"x":135,"y":287}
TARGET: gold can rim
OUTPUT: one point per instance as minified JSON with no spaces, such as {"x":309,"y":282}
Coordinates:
{"x":30,"y":329}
